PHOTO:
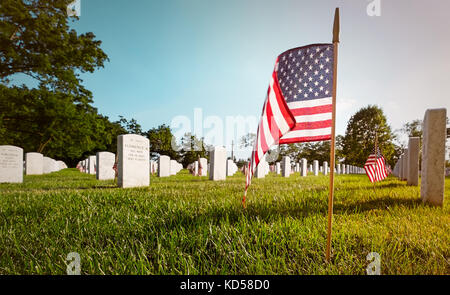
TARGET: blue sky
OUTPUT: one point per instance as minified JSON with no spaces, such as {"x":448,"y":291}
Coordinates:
{"x":169,"y":57}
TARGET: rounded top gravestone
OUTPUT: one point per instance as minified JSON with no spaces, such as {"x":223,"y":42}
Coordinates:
{"x":11,"y":164}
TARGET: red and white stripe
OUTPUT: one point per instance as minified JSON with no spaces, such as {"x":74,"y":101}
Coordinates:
{"x":375,"y":168}
{"x":313,"y":120}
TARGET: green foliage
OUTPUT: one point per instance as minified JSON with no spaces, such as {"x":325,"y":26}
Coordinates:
{"x":162,"y":142}
{"x":192,"y":148}
{"x":413,"y":128}
{"x":39,"y":120}
{"x":36,"y":40}
{"x":189,"y":225}
{"x":363,"y":128}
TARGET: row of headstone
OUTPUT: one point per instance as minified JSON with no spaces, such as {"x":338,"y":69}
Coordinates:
{"x":285,"y":168}
{"x":13,"y":165}
{"x":434,"y":132}
{"x":101,"y":164}
{"x":166,"y":166}
{"x":199,"y":168}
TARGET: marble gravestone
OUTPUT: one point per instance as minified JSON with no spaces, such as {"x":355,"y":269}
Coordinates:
{"x":405,"y":165}
{"x":34,"y":164}
{"x":163,"y":166}
{"x":325,"y":168}
{"x":218,"y":165}
{"x":11,"y":164}
{"x":92,"y":164}
{"x":48,"y":165}
{"x":105,"y":162}
{"x":204,"y":164}
{"x":413,"y":161}
{"x":433,"y":156}
{"x":173,"y":167}
{"x":133,"y":160}
{"x":286,"y":166}
{"x":316,"y":167}
{"x":277,"y":168}
{"x":304,"y":167}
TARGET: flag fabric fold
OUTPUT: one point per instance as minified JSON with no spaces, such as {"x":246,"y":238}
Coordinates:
{"x":298,"y":105}
{"x":375,"y":166}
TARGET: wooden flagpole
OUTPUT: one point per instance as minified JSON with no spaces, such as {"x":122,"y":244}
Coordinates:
{"x":333,"y":133}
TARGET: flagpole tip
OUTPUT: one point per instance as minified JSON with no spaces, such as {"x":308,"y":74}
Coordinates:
{"x":336,"y":26}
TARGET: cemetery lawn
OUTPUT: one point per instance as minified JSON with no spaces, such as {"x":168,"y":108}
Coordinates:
{"x":190,"y":225}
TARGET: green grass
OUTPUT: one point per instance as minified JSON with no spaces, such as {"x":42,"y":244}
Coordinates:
{"x":190,"y":225}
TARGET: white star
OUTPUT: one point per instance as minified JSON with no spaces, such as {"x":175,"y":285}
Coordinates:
{"x":306,"y":62}
{"x":321,"y":88}
{"x":316,"y":83}
{"x":317,"y":49}
{"x":316,"y":61}
{"x":321,"y":54}
{"x":326,"y":81}
{"x":326,"y":92}
{"x":316,"y":73}
{"x":310,"y":89}
{"x":305,"y":95}
{"x":327,"y":70}
{"x":300,"y":90}
{"x":311,"y":56}
{"x":305,"y":84}
{"x":327,"y":59}
{"x":295,"y":86}
{"x":310,"y":79}
{"x":316,"y":94}
{"x":321,"y":77}
{"x":321,"y":66}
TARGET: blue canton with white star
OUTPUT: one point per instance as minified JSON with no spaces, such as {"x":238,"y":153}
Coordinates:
{"x":306,"y":73}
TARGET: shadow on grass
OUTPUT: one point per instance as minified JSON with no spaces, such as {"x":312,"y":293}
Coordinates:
{"x":376,"y":203}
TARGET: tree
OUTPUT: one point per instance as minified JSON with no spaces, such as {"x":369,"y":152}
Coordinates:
{"x":36,"y":40}
{"x":413,"y":128}
{"x":192,"y":148}
{"x":131,"y":127}
{"x":363,"y":128}
{"x":39,"y":120}
{"x":162,"y":142}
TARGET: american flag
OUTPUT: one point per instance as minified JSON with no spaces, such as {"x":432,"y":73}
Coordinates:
{"x":375,"y":166}
{"x":298,"y":106}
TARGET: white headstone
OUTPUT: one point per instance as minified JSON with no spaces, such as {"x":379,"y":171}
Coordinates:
{"x":48,"y":165}
{"x":105,"y":162}
{"x":405,"y":165}
{"x":173,"y":167}
{"x":433,"y":156}
{"x":230,"y":170}
{"x":413,"y":160}
{"x":304,"y":167}
{"x":134,"y":160}
{"x":286,"y":166}
{"x":11,"y":164}
{"x":164,"y":166}
{"x":316,"y":167}
{"x":34,"y":164}
{"x":218,"y":163}
{"x":325,"y":168}
{"x":277,"y":167}
{"x":204,"y":164}
{"x":92,"y":164}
